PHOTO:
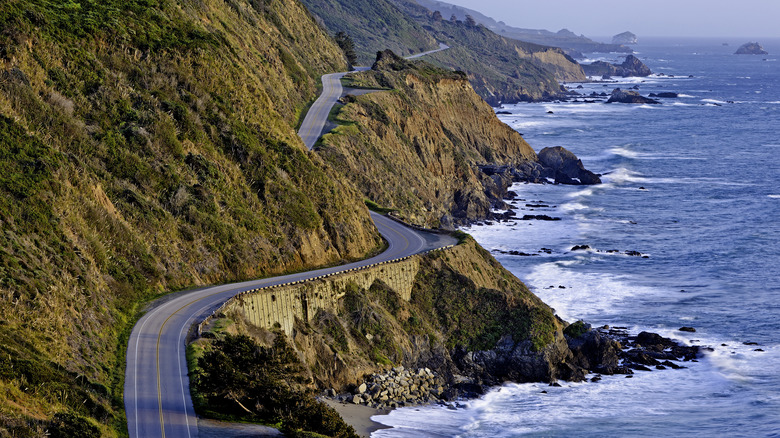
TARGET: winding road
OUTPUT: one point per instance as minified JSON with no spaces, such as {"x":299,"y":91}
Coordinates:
{"x":157,"y":393}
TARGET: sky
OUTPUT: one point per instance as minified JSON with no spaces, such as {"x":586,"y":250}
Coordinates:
{"x":751,"y":19}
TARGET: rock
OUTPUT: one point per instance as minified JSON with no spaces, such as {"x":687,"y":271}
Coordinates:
{"x":620,"y":96}
{"x":632,"y":66}
{"x":687,"y":329}
{"x":580,"y":247}
{"x":539,"y":217}
{"x":568,"y":169}
{"x":357,"y":399}
{"x":751,"y":49}
{"x":665,"y":95}
{"x":624,"y":38}
{"x":361,"y":389}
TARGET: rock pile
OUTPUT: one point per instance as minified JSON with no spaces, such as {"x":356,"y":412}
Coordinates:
{"x":398,"y":387}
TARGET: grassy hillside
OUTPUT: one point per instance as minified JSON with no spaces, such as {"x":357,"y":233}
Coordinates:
{"x":374,"y":25}
{"x":563,"y":38}
{"x":148,"y":146}
{"x":500,"y":69}
{"x":415,"y":148}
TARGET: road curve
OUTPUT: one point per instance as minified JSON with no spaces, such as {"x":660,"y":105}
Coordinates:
{"x":157,"y":396}
{"x":318,"y":113}
{"x":315,"y":119}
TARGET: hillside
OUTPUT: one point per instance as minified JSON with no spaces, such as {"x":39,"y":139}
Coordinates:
{"x":373,"y":25}
{"x":416,"y":148}
{"x":500,"y":69}
{"x":147,"y":147}
{"x":564,"y":38}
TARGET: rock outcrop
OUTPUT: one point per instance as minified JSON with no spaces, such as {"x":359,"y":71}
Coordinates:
{"x":567,"y":168}
{"x":751,"y":49}
{"x":624,"y":38}
{"x":622,"y":96}
{"x":632,"y":66}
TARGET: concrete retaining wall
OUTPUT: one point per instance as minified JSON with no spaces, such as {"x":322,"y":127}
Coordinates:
{"x":281,"y":304}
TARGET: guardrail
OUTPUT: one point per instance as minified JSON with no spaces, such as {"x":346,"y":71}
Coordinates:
{"x":220,"y":309}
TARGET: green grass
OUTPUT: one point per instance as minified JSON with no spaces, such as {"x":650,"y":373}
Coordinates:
{"x":373,"y":206}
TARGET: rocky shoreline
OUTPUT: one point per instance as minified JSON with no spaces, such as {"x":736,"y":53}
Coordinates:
{"x":593,"y":353}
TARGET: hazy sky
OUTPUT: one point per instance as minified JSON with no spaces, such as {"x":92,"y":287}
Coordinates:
{"x":717,"y":18}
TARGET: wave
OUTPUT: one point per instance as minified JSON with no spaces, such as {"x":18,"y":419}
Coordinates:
{"x":774,"y":196}
{"x":719,"y":102}
{"x":685,"y":95}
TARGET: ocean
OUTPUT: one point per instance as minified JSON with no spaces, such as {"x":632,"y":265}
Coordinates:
{"x":693,"y":184}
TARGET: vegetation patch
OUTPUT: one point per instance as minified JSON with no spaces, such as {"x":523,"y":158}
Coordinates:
{"x":237,"y":379}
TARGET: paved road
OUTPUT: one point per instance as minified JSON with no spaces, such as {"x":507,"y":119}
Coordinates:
{"x":315,"y":119}
{"x":318,"y":113}
{"x":157,"y":396}
{"x":442,"y":46}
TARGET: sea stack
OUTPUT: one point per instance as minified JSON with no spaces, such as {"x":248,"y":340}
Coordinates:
{"x":751,"y":49}
{"x":624,"y":38}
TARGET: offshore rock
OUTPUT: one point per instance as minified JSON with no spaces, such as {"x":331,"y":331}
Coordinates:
{"x":751,"y":49}
{"x":624,"y":38}
{"x":568,"y":169}
{"x":621,"y":96}
{"x":632,"y":66}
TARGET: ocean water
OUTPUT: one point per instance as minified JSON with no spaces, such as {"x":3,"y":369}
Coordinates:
{"x":693,"y":184}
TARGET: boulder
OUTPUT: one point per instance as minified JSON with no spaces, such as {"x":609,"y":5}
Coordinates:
{"x":751,"y":49}
{"x":568,"y":169}
{"x":621,"y":96}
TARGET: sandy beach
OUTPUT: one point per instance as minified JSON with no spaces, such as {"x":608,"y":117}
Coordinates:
{"x":358,"y":416}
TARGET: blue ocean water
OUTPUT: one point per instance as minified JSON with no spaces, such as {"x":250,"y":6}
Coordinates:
{"x":693,"y":184}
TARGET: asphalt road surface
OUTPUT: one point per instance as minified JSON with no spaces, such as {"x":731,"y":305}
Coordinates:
{"x":157,"y":395}
{"x":315,"y":119}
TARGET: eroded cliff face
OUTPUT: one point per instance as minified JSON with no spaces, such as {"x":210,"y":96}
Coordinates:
{"x":416,"y":148}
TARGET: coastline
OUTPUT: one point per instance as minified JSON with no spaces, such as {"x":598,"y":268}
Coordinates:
{"x":358,"y":416}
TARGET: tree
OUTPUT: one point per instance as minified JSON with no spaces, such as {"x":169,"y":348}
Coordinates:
{"x":437,"y":16}
{"x":470,"y":21}
{"x":347,"y":46}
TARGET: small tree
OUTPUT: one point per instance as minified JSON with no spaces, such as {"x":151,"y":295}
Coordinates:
{"x":347,"y":46}
{"x":470,"y":22}
{"x":437,"y":16}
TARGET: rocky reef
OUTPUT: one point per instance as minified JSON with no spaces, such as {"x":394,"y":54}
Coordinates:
{"x":632,"y":66}
{"x":751,"y":49}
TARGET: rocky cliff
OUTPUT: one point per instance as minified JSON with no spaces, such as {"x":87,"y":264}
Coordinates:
{"x":148,"y":147}
{"x":421,"y":148}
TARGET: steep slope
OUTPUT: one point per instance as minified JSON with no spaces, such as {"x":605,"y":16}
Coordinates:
{"x":148,"y":146}
{"x":374,"y":25}
{"x":416,"y":148}
{"x":564,"y":38}
{"x":500,"y":69}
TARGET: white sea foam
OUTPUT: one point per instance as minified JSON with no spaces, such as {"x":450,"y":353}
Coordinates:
{"x":719,"y":102}
{"x":685,"y":95}
{"x":774,"y":196}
